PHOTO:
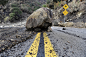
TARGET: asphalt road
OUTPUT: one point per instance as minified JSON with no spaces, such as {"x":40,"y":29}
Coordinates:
{"x":70,"y":42}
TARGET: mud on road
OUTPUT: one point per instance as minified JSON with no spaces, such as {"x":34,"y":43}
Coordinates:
{"x":10,"y":36}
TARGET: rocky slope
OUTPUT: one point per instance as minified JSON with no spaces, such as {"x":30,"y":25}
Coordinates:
{"x":76,"y":14}
{"x":14,"y":10}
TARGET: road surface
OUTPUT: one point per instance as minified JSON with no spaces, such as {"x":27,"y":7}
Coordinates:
{"x":70,"y":42}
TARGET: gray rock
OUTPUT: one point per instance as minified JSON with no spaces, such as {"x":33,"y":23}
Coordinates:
{"x":41,"y":18}
{"x":55,"y":22}
{"x":49,"y":29}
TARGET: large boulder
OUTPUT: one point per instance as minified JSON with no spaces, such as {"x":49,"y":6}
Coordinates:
{"x":40,"y":19}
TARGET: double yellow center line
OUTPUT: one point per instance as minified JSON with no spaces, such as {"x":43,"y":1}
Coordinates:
{"x":48,"y":49}
{"x":32,"y":52}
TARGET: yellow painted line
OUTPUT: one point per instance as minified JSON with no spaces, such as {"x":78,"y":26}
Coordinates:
{"x":49,"y":51}
{"x":32,"y":52}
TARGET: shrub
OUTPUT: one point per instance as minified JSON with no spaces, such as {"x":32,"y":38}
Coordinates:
{"x":12,"y":15}
{"x":6,"y":19}
{"x":14,"y":5}
{"x":44,"y":5}
{"x":29,"y":8}
{"x":38,"y":3}
{"x":16,"y":10}
{"x":48,"y":1}
{"x":15,"y":15}
{"x":35,"y":8}
{"x":3,"y":2}
{"x":59,"y":3}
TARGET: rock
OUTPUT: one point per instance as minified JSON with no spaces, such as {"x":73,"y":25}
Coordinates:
{"x":63,"y":28}
{"x":12,"y":39}
{"x":79,"y":25}
{"x":2,"y":40}
{"x":3,"y":48}
{"x":41,"y":18}
{"x":55,"y":22}
{"x":18,"y":36}
{"x":49,"y":29}
{"x":68,"y":41}
{"x":30,"y":32}
{"x":68,"y":24}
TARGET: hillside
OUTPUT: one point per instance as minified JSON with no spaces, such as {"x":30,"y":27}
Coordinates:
{"x":76,"y":16}
{"x":14,"y":10}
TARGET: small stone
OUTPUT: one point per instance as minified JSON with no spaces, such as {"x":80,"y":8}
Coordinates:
{"x":8,"y":47}
{"x":30,"y":33}
{"x":67,"y":47}
{"x":3,"y":48}
{"x":2,"y":40}
{"x":12,"y":39}
{"x":50,"y":51}
{"x":72,"y":52}
{"x":34,"y":32}
{"x":49,"y":29}
{"x":13,"y":43}
{"x":20,"y":50}
{"x":68,"y":41}
{"x":30,"y":53}
{"x":21,"y":53}
{"x":64,"y":48}
{"x":46,"y":42}
{"x":48,"y":34}
{"x":31,"y":38}
{"x":63,"y":28}
{"x":18,"y":36}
